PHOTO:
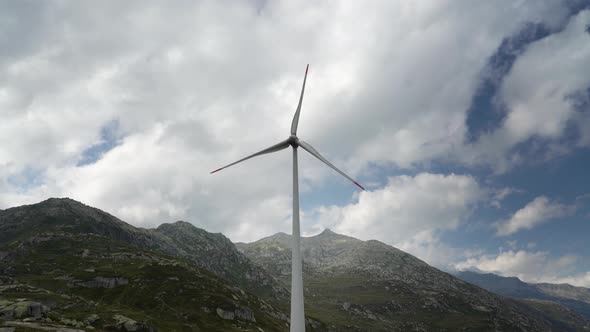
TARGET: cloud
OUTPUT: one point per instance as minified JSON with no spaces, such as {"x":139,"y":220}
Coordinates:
{"x":81,"y":74}
{"x":577,"y":279}
{"x":408,"y":212}
{"x":389,"y":86}
{"x":537,"y":94}
{"x":529,"y":266}
{"x":538,"y":211}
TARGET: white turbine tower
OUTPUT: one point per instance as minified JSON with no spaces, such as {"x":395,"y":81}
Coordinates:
{"x":297,"y":313}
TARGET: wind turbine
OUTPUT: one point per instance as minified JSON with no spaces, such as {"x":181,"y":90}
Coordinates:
{"x":297,"y":313}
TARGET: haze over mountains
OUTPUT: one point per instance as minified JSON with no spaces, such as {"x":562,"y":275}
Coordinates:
{"x":574,"y":298}
{"x":65,"y":264}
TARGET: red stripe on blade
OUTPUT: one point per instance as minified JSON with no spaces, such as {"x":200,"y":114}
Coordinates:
{"x":217,"y":170}
{"x":306,"y":68}
{"x":359,"y":185}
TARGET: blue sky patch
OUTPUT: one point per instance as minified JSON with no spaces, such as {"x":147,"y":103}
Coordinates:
{"x":109,"y":139}
{"x":487,"y":111}
{"x":29,"y":177}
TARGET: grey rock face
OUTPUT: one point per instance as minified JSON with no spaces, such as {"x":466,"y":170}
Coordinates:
{"x":217,"y":254}
{"x":329,"y":251}
{"x":388,"y":275}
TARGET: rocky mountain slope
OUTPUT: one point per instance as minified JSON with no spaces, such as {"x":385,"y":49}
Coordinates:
{"x":217,"y":254}
{"x":370,"y":285}
{"x":574,"y":298}
{"x":65,"y":264}
{"x":213,"y":252}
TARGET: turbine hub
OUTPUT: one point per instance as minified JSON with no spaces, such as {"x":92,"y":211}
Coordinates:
{"x":293,"y":141}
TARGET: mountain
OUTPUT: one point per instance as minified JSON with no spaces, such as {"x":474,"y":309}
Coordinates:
{"x":64,"y":264}
{"x":219,"y":255}
{"x":507,"y":286}
{"x":565,"y":291}
{"x":574,"y":298}
{"x":368,"y":285}
{"x":213,"y":252}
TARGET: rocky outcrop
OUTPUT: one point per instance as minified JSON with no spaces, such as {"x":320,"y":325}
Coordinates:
{"x":129,"y":325}
{"x":216,"y":253}
{"x":242,"y":313}
{"x":22,"y":308}
{"x":225,"y":314}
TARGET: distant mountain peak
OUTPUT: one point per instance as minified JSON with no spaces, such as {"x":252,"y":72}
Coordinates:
{"x":329,"y":236}
{"x":280,"y":237}
{"x":177,"y":224}
{"x":60,"y":201}
{"x":182,"y":222}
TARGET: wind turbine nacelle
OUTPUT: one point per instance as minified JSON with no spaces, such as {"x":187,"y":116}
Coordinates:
{"x":293,"y":141}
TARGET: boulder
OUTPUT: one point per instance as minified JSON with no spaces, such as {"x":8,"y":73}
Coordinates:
{"x":129,"y":325}
{"x":92,"y":318}
{"x":242,"y":313}
{"x":126,"y":323}
{"x":71,"y":322}
{"x":346,"y":306}
{"x":22,"y":309}
{"x":245,"y":314}
{"x":229,"y":315}
{"x":36,"y":309}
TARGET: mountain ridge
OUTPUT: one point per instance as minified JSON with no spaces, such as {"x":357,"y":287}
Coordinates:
{"x":572,"y":297}
{"x":68,"y":265}
{"x":336,"y":264}
{"x":59,"y":247}
{"x":168,"y":238}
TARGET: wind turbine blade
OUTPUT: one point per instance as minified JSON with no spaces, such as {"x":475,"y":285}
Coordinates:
{"x":295,"y":122}
{"x":316,"y":154}
{"x":277,"y":147}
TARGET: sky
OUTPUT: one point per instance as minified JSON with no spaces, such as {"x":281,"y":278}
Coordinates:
{"x":468,"y":122}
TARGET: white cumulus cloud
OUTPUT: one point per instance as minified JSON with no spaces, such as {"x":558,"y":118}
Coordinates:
{"x":538,"y":211}
{"x":538,"y":93}
{"x":195,"y":85}
{"x":519,"y":263}
{"x":408,"y":212}
{"x":529,"y":266}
